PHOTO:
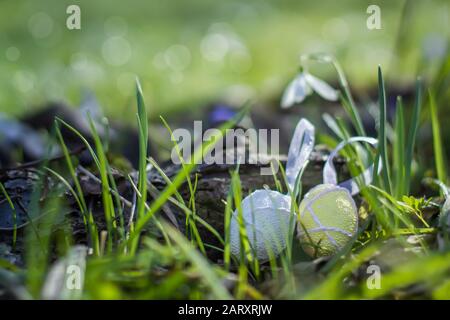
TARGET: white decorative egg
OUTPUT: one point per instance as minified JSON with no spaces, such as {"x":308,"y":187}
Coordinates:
{"x":267,"y":221}
{"x":328,"y":220}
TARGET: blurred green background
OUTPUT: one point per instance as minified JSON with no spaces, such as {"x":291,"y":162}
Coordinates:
{"x":187,"y":53}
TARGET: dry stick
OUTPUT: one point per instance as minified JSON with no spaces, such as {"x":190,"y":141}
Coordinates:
{"x":129,"y":204}
{"x":40,"y":161}
{"x":96,"y":179}
{"x":133,"y":209}
{"x":154,"y":193}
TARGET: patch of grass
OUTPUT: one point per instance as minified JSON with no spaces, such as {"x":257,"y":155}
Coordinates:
{"x":127,"y":262}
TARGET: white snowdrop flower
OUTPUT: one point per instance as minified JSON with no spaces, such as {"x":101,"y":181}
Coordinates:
{"x":322,"y":88}
{"x":303,"y":85}
{"x":296,"y":92}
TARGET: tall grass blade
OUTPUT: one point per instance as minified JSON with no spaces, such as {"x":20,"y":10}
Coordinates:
{"x":108,"y":204}
{"x":437,"y":140}
{"x":382,"y":140}
{"x":410,"y":143}
{"x":399,"y":149}
{"x":143,"y":144}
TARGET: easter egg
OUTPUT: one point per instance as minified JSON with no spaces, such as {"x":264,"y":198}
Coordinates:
{"x":266,"y":219}
{"x":328,"y":220}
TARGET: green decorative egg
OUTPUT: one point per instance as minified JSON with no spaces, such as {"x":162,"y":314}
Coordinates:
{"x":328,"y":220}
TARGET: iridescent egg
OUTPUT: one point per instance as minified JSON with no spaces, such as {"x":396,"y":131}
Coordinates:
{"x":267,"y":220}
{"x":328,"y":220}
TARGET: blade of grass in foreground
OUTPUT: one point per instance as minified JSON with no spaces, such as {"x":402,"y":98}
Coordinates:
{"x":413,"y":127}
{"x":425,"y":269}
{"x":437,"y":140}
{"x":382,"y":141}
{"x":203,"y":266}
{"x":70,"y":166}
{"x":332,"y":287}
{"x":399,"y":148}
{"x":227,"y":223}
{"x":108,"y":203}
{"x":243,"y":238}
{"x":143,"y":144}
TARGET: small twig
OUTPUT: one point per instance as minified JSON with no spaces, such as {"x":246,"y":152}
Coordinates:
{"x":96,"y":179}
{"x":154,"y":193}
{"x":40,"y":161}
{"x":133,"y":209}
{"x":129,"y":204}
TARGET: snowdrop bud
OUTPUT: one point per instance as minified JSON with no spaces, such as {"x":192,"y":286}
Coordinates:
{"x":304,"y":85}
{"x":296,"y":92}
{"x":322,"y":88}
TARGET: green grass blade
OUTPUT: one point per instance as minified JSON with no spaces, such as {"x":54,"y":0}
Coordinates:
{"x":399,"y":148}
{"x":108,"y":205}
{"x":245,"y":251}
{"x":414,"y":125}
{"x":382,"y":140}
{"x":227,"y":222}
{"x":71,"y":168}
{"x":143,"y":145}
{"x":142,"y":121}
{"x":437,"y":140}
{"x":83,"y":139}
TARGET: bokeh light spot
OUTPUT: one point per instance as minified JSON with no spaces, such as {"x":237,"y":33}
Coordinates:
{"x":177,"y":57}
{"x":40,"y":25}
{"x":116,"y":51}
{"x":115,"y":26}
{"x":12,"y":54}
{"x":214,"y":47}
